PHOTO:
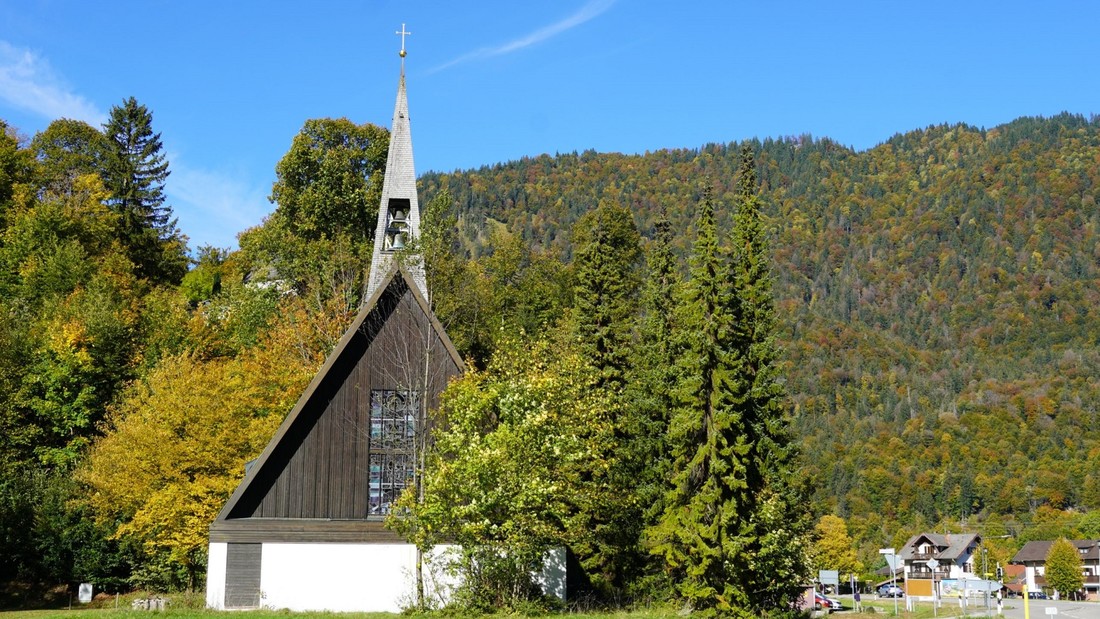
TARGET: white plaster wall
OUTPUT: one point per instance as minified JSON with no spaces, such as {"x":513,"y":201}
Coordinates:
{"x":355,"y":577}
{"x":215,"y":575}
{"x":440,"y":580}
{"x":338,"y":577}
{"x":552,"y":578}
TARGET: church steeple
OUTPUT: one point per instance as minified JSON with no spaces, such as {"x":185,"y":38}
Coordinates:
{"x":399,"y":212}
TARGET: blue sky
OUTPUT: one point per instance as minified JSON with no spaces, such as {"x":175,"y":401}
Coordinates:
{"x":230,"y":83}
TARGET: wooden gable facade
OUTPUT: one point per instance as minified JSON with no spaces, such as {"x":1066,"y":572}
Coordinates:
{"x":343,"y":453}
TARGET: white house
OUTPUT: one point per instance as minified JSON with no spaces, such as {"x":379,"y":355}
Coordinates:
{"x":930,"y":559}
{"x":1033,"y":556}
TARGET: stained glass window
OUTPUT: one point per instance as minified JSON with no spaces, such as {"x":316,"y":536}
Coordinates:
{"x":393,"y":420}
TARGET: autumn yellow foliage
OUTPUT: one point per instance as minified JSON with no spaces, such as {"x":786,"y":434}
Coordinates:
{"x":178,"y":442}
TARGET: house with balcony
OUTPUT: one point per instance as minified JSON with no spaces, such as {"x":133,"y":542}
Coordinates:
{"x":1033,"y":557}
{"x":930,"y":558}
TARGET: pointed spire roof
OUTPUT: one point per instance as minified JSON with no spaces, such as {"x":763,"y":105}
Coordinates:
{"x":399,"y":212}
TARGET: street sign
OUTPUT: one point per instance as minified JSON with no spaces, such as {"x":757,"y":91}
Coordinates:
{"x":1052,"y":610}
{"x":891,"y":557}
{"x":932,"y":563}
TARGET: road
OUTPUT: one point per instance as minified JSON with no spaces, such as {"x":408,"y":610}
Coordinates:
{"x":1014,"y":609}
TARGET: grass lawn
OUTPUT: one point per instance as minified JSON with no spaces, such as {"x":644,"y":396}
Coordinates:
{"x":189,"y":613}
{"x":923,"y":611}
{"x":191,"y":607}
{"x":179,"y":613}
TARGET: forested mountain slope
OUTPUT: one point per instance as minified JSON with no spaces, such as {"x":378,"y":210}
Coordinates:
{"x":938,"y":293}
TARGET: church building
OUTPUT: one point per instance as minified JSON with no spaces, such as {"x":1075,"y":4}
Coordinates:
{"x":304,"y":529}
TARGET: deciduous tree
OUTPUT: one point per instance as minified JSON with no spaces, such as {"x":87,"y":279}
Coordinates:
{"x":68,"y":148}
{"x":521,"y":459}
{"x":178,"y":443}
{"x":1064,"y":568}
{"x":330,"y":181}
{"x":16,"y":169}
{"x":833,"y":548}
{"x":61,"y":270}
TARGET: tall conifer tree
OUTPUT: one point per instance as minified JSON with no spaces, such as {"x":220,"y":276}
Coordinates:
{"x":605,"y":292}
{"x":135,"y":173}
{"x":654,"y":370}
{"x":779,"y":523}
{"x":703,"y":533}
{"x":734,"y":526}
{"x":649,"y":400}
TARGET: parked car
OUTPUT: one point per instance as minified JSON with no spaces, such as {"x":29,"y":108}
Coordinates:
{"x":1037,"y":595}
{"x":890,"y":591}
{"x":820,"y":601}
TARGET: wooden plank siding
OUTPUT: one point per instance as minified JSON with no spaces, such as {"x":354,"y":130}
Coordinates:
{"x":295,"y":530}
{"x":316,"y":469}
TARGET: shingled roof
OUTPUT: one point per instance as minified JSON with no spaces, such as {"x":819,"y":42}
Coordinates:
{"x":398,"y":195}
{"x":948,"y":547}
{"x":1037,"y":551}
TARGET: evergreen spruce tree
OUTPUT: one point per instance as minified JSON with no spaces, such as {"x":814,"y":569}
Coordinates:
{"x":704,"y":532}
{"x":649,"y":400}
{"x":780,"y":523}
{"x":734,"y":525}
{"x":654,"y":370}
{"x":134,"y":174}
{"x":606,"y":282}
{"x":605,"y":290}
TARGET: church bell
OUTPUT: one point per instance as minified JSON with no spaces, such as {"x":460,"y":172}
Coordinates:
{"x":396,"y":231}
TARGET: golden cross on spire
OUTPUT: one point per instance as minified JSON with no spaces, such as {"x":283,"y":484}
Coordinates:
{"x":403,"y":34}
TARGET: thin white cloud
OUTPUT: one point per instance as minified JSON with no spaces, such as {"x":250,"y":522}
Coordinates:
{"x":587,"y":12}
{"x":212,"y":207}
{"x":29,"y":83}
